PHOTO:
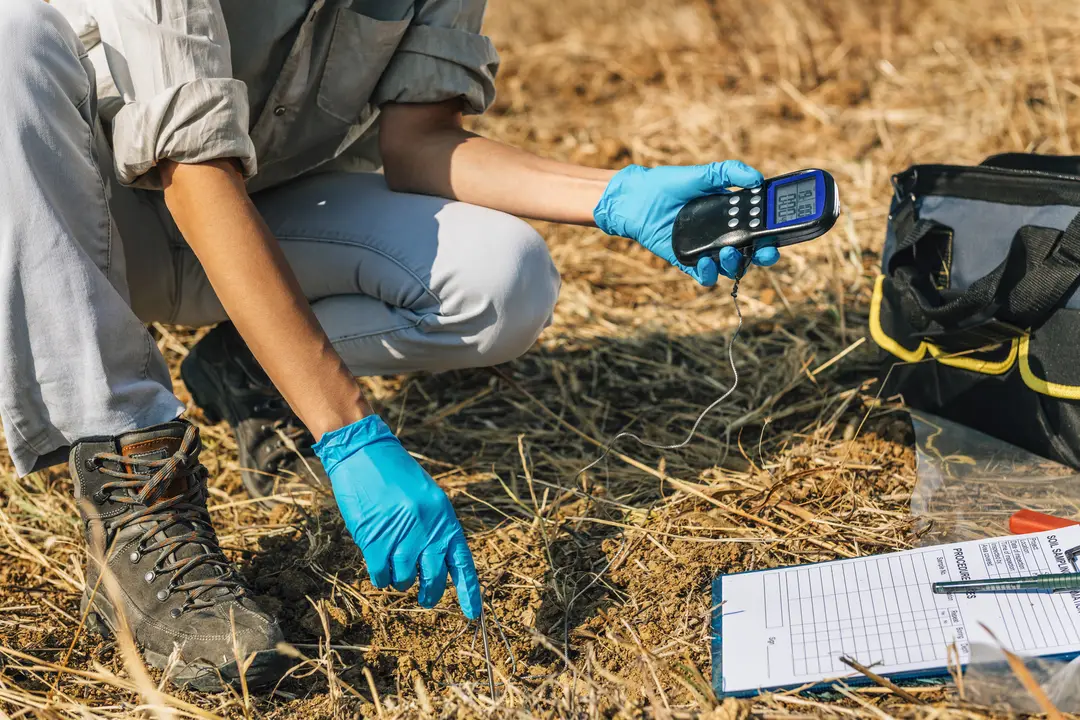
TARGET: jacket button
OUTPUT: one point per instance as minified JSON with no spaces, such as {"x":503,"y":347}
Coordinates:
{"x":279,"y":110}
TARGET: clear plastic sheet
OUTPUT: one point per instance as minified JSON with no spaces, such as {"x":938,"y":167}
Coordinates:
{"x":968,"y":486}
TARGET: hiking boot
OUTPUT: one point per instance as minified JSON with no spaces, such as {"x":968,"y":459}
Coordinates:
{"x":142,"y":497}
{"x":275,"y":448}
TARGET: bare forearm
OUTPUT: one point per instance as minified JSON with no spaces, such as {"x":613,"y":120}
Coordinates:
{"x":454,"y":163}
{"x":260,"y":293}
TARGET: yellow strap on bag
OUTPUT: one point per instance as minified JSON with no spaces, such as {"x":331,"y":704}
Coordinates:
{"x":1019,"y":349}
{"x":965,"y":361}
{"x":1041,"y":385}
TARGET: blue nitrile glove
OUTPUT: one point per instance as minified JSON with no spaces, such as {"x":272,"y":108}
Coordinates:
{"x":397,"y":514}
{"x":641,"y":204}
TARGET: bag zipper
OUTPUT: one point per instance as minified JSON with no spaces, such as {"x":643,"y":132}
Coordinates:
{"x":903,"y":182}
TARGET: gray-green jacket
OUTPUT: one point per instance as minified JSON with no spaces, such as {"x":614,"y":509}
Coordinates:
{"x":285,"y":86}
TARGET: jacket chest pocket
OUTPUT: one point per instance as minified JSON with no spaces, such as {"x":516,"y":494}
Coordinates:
{"x":360,"y":49}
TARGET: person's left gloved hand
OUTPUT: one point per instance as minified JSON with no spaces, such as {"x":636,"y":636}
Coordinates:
{"x":402,"y":521}
{"x":641,"y":204}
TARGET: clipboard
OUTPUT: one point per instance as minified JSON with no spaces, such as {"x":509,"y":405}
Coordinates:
{"x":792,"y":626}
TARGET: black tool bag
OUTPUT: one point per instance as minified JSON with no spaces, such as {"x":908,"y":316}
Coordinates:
{"x":978,"y":305}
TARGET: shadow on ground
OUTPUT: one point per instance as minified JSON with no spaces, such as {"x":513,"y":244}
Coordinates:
{"x":508,"y":443}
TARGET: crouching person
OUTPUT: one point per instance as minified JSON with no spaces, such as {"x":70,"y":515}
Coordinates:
{"x":195,"y":162}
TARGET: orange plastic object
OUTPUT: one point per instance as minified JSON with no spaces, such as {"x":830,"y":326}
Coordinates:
{"x":1029,"y":521}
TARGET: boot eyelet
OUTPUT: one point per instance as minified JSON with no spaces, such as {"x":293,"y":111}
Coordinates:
{"x":99,"y":498}
{"x":135,"y":557}
{"x":150,"y":576}
{"x":162,"y":595}
{"x":175,"y":613}
{"x":90,"y":464}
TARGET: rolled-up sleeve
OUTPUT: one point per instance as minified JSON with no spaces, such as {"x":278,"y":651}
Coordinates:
{"x":443,"y":56}
{"x":170,"y":60}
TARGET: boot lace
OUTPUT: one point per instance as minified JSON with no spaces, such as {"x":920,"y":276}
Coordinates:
{"x":187,"y":509}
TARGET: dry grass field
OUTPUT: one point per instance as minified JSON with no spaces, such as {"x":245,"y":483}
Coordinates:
{"x":598,"y":584}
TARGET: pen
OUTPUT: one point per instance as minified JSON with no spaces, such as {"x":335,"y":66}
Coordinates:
{"x":1065,"y":582}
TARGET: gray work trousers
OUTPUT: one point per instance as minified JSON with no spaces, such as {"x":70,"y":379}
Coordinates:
{"x":399,"y":282}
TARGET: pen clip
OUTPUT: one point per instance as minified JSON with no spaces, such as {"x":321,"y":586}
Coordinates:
{"x":1072,"y":555}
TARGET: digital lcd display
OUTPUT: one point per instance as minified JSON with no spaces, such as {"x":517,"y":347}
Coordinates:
{"x":795,"y":200}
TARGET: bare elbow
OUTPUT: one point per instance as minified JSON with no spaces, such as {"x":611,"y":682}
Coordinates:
{"x":395,"y":139}
{"x":415,"y":141}
{"x":396,"y":182}
{"x":395,"y":159}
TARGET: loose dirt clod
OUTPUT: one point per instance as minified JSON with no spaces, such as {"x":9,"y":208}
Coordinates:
{"x":601,"y":582}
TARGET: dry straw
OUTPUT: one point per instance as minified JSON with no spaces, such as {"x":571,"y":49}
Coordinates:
{"x":601,"y":581}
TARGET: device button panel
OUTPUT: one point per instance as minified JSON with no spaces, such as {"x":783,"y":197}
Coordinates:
{"x":744,"y":209}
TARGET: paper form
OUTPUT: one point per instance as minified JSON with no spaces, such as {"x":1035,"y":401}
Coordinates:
{"x":789,"y":626}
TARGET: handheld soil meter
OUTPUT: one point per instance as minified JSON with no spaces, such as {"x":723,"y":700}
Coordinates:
{"x":783,"y":210}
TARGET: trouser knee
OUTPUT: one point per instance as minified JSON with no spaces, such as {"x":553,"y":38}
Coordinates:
{"x":520,"y":292}
{"x":47,"y":91}
{"x":43,"y":63}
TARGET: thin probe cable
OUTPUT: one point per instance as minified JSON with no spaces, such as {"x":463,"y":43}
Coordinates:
{"x":693,"y":430}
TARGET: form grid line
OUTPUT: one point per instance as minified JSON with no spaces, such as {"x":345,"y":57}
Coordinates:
{"x":905,"y":626}
{"x":882,"y":609}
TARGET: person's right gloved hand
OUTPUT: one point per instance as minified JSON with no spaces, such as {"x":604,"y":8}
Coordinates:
{"x":642,"y":203}
{"x":402,"y":521}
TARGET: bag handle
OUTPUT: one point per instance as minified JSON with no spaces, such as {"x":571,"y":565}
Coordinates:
{"x":1062,"y":164}
{"x":1041,"y":268}
{"x":1043,"y":287}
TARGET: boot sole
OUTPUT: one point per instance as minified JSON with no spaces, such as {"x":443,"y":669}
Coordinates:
{"x":265,"y":670}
